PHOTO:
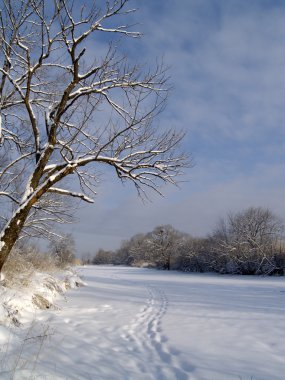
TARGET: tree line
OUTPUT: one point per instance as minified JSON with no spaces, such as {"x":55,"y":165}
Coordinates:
{"x":249,"y":242}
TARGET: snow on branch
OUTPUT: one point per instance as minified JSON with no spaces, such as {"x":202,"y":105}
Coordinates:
{"x":71,"y":194}
{"x":64,"y":115}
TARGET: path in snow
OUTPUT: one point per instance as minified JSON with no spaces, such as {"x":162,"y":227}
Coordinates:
{"x":144,"y":333}
{"x":140,"y":324}
{"x":110,"y":329}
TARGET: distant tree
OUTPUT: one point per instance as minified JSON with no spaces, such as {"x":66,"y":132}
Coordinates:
{"x":250,"y":240}
{"x":63,"y":250}
{"x":138,"y":249}
{"x":247,"y":242}
{"x":193,"y":255}
{"x":123,"y":255}
{"x":132,"y":251}
{"x":163,"y":243}
{"x":87,"y":258}
{"x":103,"y":257}
{"x":69,"y":110}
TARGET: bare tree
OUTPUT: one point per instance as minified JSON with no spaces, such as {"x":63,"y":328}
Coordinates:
{"x":63,"y":250}
{"x":194,"y":255}
{"x":65,"y":114}
{"x":163,"y":243}
{"x":103,"y":257}
{"x":250,"y":240}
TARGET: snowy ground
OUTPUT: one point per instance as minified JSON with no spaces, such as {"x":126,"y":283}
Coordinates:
{"x":131,"y":323}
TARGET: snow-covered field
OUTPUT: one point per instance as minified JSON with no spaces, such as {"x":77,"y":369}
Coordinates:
{"x":131,"y":323}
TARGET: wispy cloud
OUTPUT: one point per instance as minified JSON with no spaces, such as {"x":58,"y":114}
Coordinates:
{"x":227,"y":64}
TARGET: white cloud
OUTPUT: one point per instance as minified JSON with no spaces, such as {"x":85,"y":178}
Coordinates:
{"x":228,"y":67}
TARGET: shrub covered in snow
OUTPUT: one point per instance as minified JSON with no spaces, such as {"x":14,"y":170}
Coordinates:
{"x":23,"y":262}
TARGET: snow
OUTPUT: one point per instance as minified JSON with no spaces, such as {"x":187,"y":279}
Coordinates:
{"x":26,"y":194}
{"x":49,"y":167}
{"x":132,"y":323}
{"x":52,"y":177}
{"x":71,"y":193}
{"x":21,"y":332}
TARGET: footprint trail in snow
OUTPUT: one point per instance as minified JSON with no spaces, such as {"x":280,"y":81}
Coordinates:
{"x":144,"y":336}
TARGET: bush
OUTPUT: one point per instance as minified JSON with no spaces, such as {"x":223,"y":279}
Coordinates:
{"x":22,"y":263}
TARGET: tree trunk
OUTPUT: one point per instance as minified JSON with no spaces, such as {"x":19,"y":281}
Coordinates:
{"x":11,"y":232}
{"x":168,"y":262}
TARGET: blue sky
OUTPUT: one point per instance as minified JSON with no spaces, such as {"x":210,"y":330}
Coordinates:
{"x":227,"y":66}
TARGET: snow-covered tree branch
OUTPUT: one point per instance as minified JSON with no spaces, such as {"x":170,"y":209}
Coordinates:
{"x":67,"y":109}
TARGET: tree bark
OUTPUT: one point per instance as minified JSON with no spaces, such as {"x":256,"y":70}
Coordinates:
{"x":11,"y":233}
